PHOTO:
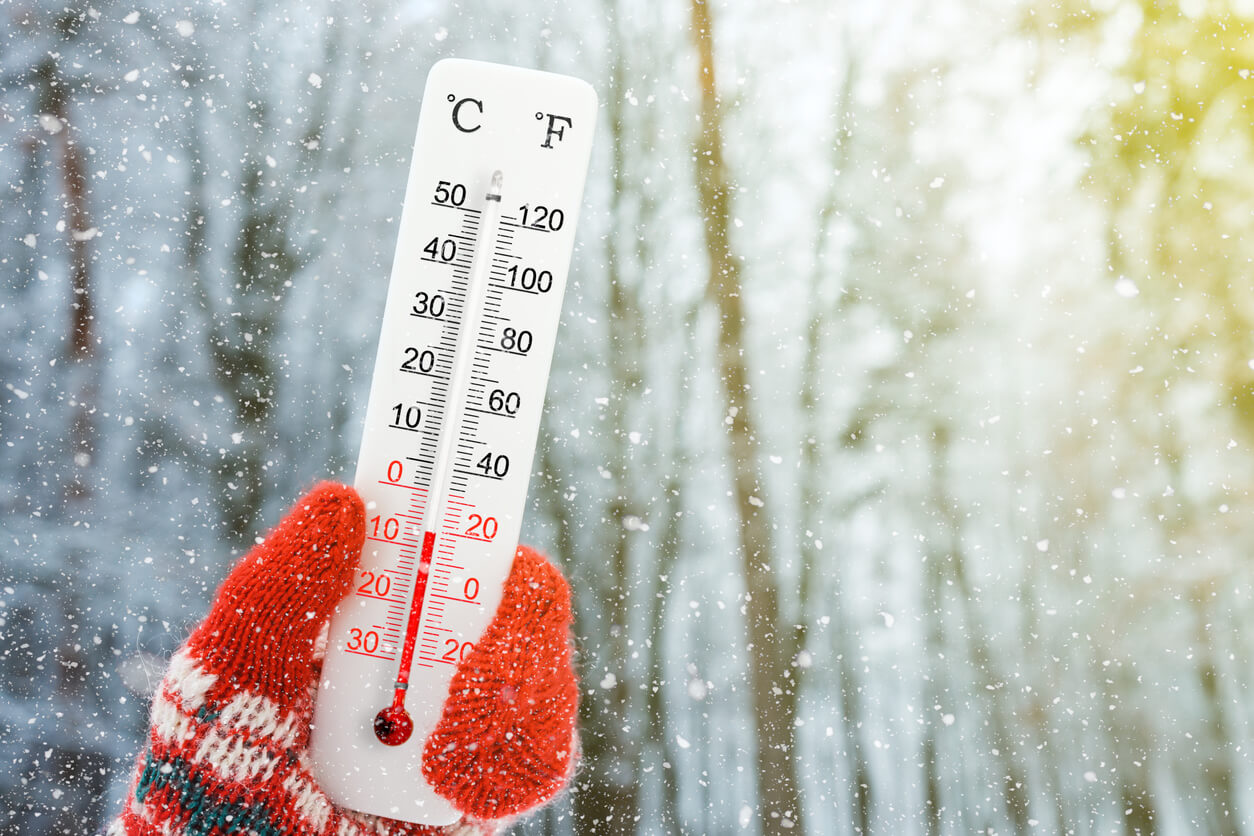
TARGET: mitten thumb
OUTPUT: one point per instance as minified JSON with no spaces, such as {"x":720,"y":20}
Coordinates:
{"x":260,"y":634}
{"x":506,"y":740}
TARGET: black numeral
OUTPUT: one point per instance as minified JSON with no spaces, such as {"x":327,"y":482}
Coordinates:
{"x":491,"y":465}
{"x":516,"y":341}
{"x":418,"y":361}
{"x":441,"y":250}
{"x":428,"y":304}
{"x":530,"y":279}
{"x":542,"y":217}
{"x":451,"y":194}
{"x":406,"y":417}
{"x":502,"y":401}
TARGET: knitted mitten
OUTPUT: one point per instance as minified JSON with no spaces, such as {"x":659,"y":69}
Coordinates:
{"x":230,"y":721}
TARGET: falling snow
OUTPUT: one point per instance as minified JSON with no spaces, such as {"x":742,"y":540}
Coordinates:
{"x":903,"y":438}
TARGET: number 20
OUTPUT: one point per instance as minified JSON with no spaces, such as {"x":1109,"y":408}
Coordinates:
{"x":481,"y":527}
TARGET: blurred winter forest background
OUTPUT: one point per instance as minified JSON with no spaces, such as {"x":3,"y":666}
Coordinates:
{"x":900,"y":437}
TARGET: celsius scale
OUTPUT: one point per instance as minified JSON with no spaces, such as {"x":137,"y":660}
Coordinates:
{"x":466,"y":341}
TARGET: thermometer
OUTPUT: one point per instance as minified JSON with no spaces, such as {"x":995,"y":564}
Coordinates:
{"x":466,"y":341}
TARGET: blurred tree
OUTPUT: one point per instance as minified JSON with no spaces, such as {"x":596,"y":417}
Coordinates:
{"x":771,"y":645}
{"x":629,"y":784}
{"x":121,"y":131}
{"x":58,"y":187}
{"x":1173,"y":159}
{"x":607,"y":795}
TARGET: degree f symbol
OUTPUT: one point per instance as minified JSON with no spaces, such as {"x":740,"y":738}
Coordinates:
{"x":554,"y":130}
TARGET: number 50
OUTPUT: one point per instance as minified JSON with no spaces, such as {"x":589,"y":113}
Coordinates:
{"x":452,"y":194}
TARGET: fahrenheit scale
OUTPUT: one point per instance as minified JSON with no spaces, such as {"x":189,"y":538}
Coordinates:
{"x":472,"y":309}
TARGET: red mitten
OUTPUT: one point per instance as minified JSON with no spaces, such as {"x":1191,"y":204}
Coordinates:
{"x":505,"y":742}
{"x":230,"y":721}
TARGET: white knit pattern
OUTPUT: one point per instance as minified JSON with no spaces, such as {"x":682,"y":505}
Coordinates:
{"x":312,"y":804}
{"x":246,"y":741}
{"x":261,"y":716}
{"x":169,"y":722}
{"x":187,"y":681}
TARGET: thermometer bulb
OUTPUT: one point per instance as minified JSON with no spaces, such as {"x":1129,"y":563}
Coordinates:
{"x":393,"y":725}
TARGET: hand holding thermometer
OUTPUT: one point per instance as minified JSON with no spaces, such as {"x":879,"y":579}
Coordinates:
{"x":467,"y":338}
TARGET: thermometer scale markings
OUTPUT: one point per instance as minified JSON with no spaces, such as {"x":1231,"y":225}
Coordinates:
{"x":393,"y":725}
{"x":490,"y":305}
{"x":453,"y":423}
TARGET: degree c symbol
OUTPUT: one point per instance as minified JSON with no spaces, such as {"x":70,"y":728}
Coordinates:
{"x":459,"y":120}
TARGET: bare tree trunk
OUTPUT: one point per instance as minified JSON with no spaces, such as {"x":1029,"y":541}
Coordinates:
{"x":72,"y":762}
{"x":266,"y":256}
{"x":1217,"y":776}
{"x":242,"y":352}
{"x":948,"y":570}
{"x":609,"y":801}
{"x":669,"y":546}
{"x":772,"y":687}
{"x":81,"y":346}
{"x":657,"y":705}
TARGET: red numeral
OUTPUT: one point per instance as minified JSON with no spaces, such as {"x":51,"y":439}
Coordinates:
{"x":457,"y":651}
{"x":376,"y":585}
{"x":471,"y":589}
{"x":395,"y":471}
{"x":482,"y":528}
{"x":367,"y":641}
{"x":391,"y":527}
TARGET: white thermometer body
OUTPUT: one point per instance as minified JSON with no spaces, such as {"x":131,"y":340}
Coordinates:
{"x":465,"y":346}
